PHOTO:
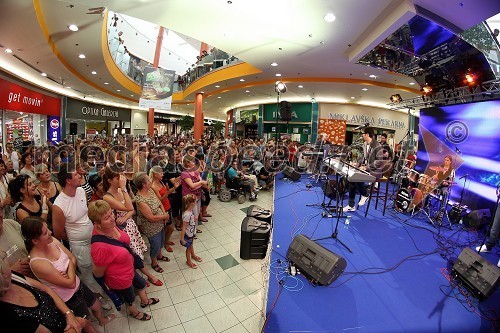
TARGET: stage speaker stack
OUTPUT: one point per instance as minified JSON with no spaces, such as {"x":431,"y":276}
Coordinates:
{"x":285,"y":111}
{"x":290,"y":172}
{"x":477,"y":218}
{"x":476,"y":273}
{"x":73,"y":128}
{"x":260,"y":213}
{"x":315,"y":261}
{"x":254,"y":238}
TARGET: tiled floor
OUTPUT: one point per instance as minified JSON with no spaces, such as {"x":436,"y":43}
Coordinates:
{"x":225,"y":293}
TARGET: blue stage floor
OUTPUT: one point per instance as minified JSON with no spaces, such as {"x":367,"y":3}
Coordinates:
{"x":395,"y":280}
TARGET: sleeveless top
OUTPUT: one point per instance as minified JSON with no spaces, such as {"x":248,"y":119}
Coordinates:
{"x":150,"y":228}
{"x":52,"y":198}
{"x":27,"y":319}
{"x":165,"y":202}
{"x":31,"y":213}
{"x":61,"y":265}
{"x":195,"y":177}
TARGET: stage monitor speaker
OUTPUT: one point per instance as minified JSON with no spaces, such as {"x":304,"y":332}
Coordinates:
{"x":315,"y":261}
{"x":285,"y":111}
{"x":260,"y":213}
{"x":73,"y":128}
{"x":290,"y":172}
{"x":254,"y":238}
{"x":477,"y":218}
{"x":476,"y":273}
{"x":457,"y":213}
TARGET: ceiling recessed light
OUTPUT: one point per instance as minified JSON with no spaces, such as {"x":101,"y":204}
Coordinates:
{"x":73,"y":27}
{"x":94,"y":72}
{"x":118,"y":90}
{"x":106,"y":83}
{"x":219,"y":97}
{"x":217,"y":86}
{"x":81,"y":56}
{"x":364,"y":89}
{"x":43,"y":74}
{"x":242,"y":80}
{"x":373,"y":76}
{"x":131,"y":95}
{"x":278,"y":74}
{"x":329,"y":17}
{"x":322,"y":42}
{"x":247,"y":91}
{"x":8,"y":51}
{"x":67,"y":87}
{"x":274,"y":64}
{"x":301,"y":86}
{"x":352,"y":97}
{"x":412,"y":83}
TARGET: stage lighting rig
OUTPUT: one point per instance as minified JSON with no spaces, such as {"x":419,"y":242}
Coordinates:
{"x":396,"y":98}
{"x":279,"y":87}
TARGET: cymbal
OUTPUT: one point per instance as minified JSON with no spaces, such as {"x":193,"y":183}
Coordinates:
{"x":437,"y":168}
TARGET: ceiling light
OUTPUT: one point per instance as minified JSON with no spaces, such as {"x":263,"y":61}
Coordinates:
{"x":247,"y":91}
{"x":8,"y":51}
{"x":94,"y":72}
{"x":106,"y":83}
{"x":412,"y":83}
{"x":329,"y":17}
{"x":81,"y":56}
{"x":242,"y":80}
{"x":118,"y":90}
{"x":352,"y":97}
{"x":217,"y":86}
{"x":322,"y":42}
{"x":364,"y":89}
{"x":73,"y":27}
{"x":279,"y":87}
{"x":278,"y":74}
{"x":274,"y":64}
{"x":373,"y":76}
{"x":43,"y":74}
{"x":301,"y":86}
{"x":67,"y":87}
{"x":219,"y":97}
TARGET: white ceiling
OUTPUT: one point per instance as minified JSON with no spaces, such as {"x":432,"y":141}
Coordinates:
{"x":258,"y":32}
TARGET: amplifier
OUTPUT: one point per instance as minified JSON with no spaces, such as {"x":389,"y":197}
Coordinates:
{"x":476,"y":273}
{"x":290,"y":172}
{"x":315,"y":261}
{"x":254,"y":238}
{"x":260,"y":213}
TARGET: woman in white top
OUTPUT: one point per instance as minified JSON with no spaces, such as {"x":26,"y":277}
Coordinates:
{"x":12,"y":155}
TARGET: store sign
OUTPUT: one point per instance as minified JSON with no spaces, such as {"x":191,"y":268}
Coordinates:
{"x":17,"y":98}
{"x":54,"y":129}
{"x":367,"y":119}
{"x":77,"y":109}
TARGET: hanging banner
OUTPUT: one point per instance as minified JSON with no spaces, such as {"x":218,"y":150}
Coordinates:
{"x":54,"y":129}
{"x":157,"y":88}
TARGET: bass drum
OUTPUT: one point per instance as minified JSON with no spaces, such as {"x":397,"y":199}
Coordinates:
{"x":408,"y":200}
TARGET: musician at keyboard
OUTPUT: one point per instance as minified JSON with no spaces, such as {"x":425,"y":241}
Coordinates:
{"x":370,"y":161}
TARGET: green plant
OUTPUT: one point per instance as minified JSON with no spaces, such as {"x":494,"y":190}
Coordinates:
{"x":218,"y":127}
{"x":186,"y":123}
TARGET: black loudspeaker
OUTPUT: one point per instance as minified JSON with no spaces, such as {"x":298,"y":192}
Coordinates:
{"x":477,"y":274}
{"x":260,"y":213}
{"x":254,"y":238}
{"x":315,"y":261}
{"x":457,"y":213}
{"x":73,"y":128}
{"x":290,"y":172}
{"x":477,"y":218}
{"x":285,"y":111}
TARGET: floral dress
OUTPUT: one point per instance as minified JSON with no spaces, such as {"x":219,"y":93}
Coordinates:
{"x":149,"y":229}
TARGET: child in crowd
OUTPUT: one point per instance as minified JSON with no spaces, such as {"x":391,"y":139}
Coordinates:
{"x":189,"y":229}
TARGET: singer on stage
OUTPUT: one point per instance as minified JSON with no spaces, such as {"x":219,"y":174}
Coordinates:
{"x":372,"y":162}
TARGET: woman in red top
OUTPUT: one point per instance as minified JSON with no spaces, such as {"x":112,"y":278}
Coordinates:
{"x":115,"y":263}
{"x":162,"y":191}
{"x":192,"y":183}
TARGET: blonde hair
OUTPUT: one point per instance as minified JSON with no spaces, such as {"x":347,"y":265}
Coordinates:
{"x":155,"y":170}
{"x":187,"y":200}
{"x":97,"y":209}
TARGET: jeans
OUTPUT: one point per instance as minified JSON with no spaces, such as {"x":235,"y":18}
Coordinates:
{"x":360,"y":187}
{"x":155,"y":243}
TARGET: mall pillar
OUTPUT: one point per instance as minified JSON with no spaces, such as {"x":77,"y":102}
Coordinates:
{"x":156,"y":61}
{"x":198,"y":117}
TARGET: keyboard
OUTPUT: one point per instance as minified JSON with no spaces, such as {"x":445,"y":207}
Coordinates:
{"x":353,"y":174}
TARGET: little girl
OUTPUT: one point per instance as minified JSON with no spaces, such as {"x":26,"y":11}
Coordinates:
{"x":189,"y":229}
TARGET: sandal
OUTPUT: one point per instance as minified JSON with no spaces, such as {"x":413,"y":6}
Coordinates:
{"x":151,"y":301}
{"x":171,"y":243}
{"x":199,"y":231}
{"x":192,"y":265}
{"x":178,"y":227}
{"x":207,"y":215}
{"x":157,"y":268}
{"x":108,"y":319}
{"x":163,"y":258}
{"x":198,"y":259}
{"x":145,"y":316}
{"x":169,"y":249}
{"x":157,"y":283}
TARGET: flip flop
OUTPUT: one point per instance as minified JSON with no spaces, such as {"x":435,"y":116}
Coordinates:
{"x":192,"y":265}
{"x":145,"y":316}
{"x":157,"y":268}
{"x":163,"y":258}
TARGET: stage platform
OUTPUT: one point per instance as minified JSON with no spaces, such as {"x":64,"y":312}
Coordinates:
{"x":397,"y":276}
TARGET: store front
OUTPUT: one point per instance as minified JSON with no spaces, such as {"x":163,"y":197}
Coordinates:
{"x":86,"y":119}
{"x":25,"y":115}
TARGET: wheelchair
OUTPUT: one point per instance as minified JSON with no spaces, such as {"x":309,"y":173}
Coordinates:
{"x":235,"y":189}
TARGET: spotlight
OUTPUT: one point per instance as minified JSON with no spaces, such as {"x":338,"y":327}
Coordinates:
{"x":426,"y":89}
{"x":470,"y":77}
{"x":279,"y":87}
{"x":396,"y":98}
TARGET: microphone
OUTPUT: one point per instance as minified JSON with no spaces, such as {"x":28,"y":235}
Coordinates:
{"x":362,"y":126}
{"x":463,"y":176}
{"x":458,"y":150}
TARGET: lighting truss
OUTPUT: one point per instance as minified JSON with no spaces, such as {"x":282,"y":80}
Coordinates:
{"x":484,"y":91}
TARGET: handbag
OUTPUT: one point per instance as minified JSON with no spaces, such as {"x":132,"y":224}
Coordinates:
{"x":138,"y":262}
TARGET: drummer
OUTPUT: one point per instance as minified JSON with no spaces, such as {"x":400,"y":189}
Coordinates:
{"x":444,"y":177}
